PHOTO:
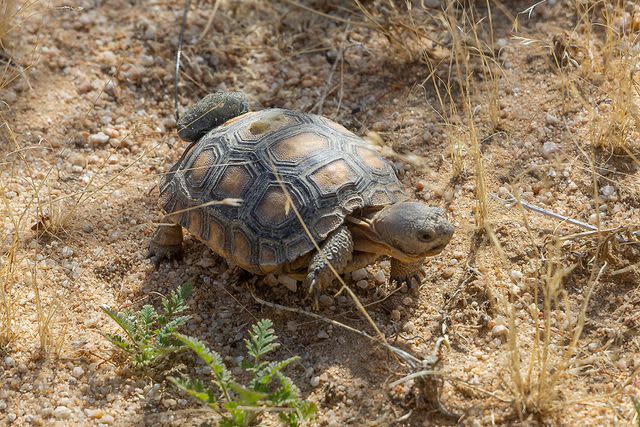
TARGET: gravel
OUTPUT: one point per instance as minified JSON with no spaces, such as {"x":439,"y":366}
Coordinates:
{"x":549,"y":148}
{"x":62,"y":412}
{"x":99,"y":138}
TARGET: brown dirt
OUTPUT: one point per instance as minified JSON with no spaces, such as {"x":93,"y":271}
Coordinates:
{"x":108,"y":67}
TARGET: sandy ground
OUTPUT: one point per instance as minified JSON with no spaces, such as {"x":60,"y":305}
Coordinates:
{"x":90,"y":129}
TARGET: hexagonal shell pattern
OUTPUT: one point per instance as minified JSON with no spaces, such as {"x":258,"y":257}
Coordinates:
{"x":277,"y":161}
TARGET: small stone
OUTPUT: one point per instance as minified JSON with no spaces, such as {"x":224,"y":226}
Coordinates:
{"x":549,"y":147}
{"x":499,"y":331}
{"x":409,"y":327}
{"x":516,"y":275}
{"x":395,"y":315}
{"x":9,"y":362}
{"x":380,"y":277}
{"x":62,"y":412}
{"x":94,"y":413}
{"x":314,"y":381}
{"x":359,"y":274}
{"x":289,"y":282}
{"x":550,"y":119}
{"x":99,"y":138}
{"x":77,"y":372}
{"x":169,"y":403}
{"x":362,"y":284}
{"x":594,"y":346}
{"x":325,"y":300}
{"x":67,"y":252}
{"x":78,"y":159}
{"x":323,"y":334}
{"x":608,"y":192}
{"x":407,"y":301}
{"x":107,"y":419}
{"x":11,"y":417}
{"x":3,"y":405}
{"x":206,"y":262}
{"x":504,"y":193}
{"x":448,"y":273}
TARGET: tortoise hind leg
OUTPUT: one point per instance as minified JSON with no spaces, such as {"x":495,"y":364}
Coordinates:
{"x":337,"y":249}
{"x":166,"y":243}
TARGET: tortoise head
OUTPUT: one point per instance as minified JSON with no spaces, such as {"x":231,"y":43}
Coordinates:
{"x":412,"y":230}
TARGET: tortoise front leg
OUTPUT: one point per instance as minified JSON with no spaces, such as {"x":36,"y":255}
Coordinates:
{"x":166,"y":243}
{"x":337,"y":249}
{"x":405,"y":272}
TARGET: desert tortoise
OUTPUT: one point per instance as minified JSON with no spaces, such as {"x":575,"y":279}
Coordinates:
{"x":282,"y":163}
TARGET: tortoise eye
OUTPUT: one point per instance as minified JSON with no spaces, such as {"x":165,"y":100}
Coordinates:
{"x":424,"y":236}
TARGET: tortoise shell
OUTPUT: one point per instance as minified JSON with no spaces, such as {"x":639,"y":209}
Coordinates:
{"x":327,"y":172}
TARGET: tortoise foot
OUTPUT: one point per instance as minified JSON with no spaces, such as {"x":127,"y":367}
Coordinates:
{"x":159,"y":253}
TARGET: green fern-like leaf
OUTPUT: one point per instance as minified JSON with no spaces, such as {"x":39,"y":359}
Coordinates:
{"x":303,"y":411}
{"x":145,"y":320}
{"x":262,"y":340}
{"x":286,"y":394}
{"x":165,"y":336}
{"x":118,"y":341}
{"x":266,"y":374}
{"x":176,"y":303}
{"x":148,"y":335}
{"x":212,"y":359}
{"x":122,"y":320}
{"x":195,"y":388}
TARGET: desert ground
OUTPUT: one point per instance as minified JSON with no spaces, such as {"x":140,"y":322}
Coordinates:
{"x":486,"y":108}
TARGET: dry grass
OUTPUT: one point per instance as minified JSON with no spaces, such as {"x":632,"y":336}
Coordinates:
{"x":539,"y":365}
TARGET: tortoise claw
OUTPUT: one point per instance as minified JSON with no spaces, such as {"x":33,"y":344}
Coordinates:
{"x":159,"y":253}
{"x":413,"y":280}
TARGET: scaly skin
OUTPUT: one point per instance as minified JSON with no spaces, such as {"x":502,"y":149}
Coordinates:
{"x":166,"y":243}
{"x":338,"y":250}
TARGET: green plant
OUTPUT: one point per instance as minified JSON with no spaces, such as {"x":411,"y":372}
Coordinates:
{"x":268,"y":390}
{"x":636,"y":405}
{"x":148,"y":335}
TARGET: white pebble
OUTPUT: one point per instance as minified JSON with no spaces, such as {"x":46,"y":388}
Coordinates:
{"x":3,"y":405}
{"x":94,"y":413}
{"x":99,"y":138}
{"x":380,"y":277}
{"x":608,"y":193}
{"x":67,"y":252}
{"x":77,"y":372}
{"x":516,"y":275}
{"x":549,"y":148}
{"x":9,"y":362}
{"x":62,"y":412}
{"x":323,"y":334}
{"x":314,"y":381}
{"x":107,"y":419}
{"x":593,"y":346}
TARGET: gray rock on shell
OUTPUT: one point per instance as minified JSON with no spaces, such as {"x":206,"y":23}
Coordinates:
{"x":201,"y":118}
